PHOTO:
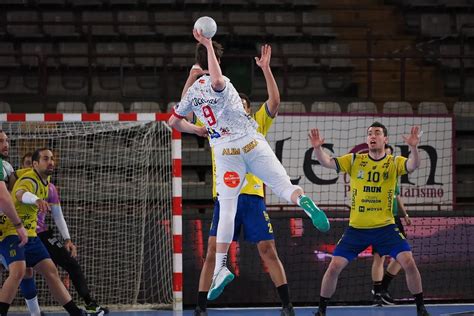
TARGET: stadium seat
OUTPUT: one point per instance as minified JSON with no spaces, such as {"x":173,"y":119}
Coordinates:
{"x":362,"y":107}
{"x":145,"y":107}
{"x":108,"y":107}
{"x":68,"y":30}
{"x":27,"y":30}
{"x":68,"y":48}
{"x":435,"y":25}
{"x":187,"y":48}
{"x":325,"y":107}
{"x":462,"y":19}
{"x":5,"y":107}
{"x":432,"y":108}
{"x":312,"y":17}
{"x":150,"y":48}
{"x":99,"y":16}
{"x":463,"y":109}
{"x":183,"y":27}
{"x":133,"y":17}
{"x":255,"y":30}
{"x":39,"y":49}
{"x":7,"y":61}
{"x":291,"y":107}
{"x":71,"y":107}
{"x":397,"y":108}
{"x":335,"y":49}
{"x":287,"y":18}
{"x":112,"y":48}
{"x":305,"y":51}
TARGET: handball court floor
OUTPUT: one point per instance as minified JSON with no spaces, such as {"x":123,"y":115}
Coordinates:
{"x":403,"y":310}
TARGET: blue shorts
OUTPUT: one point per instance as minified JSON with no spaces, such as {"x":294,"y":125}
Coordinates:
{"x":388,"y":240}
{"x":33,"y":252}
{"x":252,"y":215}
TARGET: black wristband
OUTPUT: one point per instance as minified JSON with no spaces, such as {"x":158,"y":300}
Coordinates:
{"x":18,"y":225}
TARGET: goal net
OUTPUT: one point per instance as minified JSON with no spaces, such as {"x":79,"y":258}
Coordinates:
{"x":115,"y":184}
{"x":440,"y":234}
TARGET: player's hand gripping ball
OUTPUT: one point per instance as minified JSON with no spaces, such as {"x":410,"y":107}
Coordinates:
{"x":206,"y":25}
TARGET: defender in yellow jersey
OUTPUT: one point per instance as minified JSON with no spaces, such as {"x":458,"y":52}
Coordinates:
{"x":29,"y":194}
{"x":251,"y":213}
{"x":373,"y":179}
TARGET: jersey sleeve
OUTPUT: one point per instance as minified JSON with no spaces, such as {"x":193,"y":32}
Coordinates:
{"x":344,"y":163}
{"x":184,"y":106}
{"x":263,"y":119}
{"x":401,"y":165}
{"x":26,"y":184}
{"x":53,"y":195}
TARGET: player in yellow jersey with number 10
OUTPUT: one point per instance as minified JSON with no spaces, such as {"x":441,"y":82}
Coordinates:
{"x":373,"y":179}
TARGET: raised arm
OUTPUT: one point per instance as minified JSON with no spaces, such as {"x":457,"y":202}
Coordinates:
{"x":263,"y":62}
{"x":217,"y":79}
{"x":317,"y":141}
{"x":412,"y":141}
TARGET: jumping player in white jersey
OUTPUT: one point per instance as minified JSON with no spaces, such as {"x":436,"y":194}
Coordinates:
{"x":238,"y":149}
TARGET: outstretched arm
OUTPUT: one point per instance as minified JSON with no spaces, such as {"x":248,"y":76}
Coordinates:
{"x":217,"y":79}
{"x":184,"y":126}
{"x":263,"y":62}
{"x":412,"y":141}
{"x":317,"y":141}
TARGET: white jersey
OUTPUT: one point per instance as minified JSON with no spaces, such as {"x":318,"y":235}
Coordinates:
{"x":221,"y":112}
{"x":7,"y":170}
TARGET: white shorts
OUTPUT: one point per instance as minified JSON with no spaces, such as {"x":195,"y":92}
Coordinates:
{"x":249,"y":154}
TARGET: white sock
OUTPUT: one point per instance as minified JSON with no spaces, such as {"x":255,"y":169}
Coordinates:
{"x":221,"y":260}
{"x":33,"y":306}
{"x":298,"y":199}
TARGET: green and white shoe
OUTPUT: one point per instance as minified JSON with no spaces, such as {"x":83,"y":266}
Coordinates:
{"x":219,"y":281}
{"x":319,"y":218}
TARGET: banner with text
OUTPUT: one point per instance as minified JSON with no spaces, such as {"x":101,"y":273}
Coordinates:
{"x":429,"y":188}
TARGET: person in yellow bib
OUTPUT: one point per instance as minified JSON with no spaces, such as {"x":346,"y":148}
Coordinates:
{"x":373,"y":180}
{"x":251,"y":216}
{"x":29,"y":196}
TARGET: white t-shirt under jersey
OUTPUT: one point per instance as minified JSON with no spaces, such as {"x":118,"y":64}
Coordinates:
{"x":221,"y":111}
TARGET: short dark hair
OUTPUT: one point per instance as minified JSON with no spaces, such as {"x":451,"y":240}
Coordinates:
{"x":28,"y":154}
{"x":378,"y":124}
{"x":245,"y":97}
{"x":201,"y":54}
{"x":36,"y":155}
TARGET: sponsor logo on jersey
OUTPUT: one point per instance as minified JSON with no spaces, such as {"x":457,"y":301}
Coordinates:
{"x":231,"y":179}
{"x":213,"y":133}
{"x":230,"y":151}
{"x":200,"y":101}
{"x":250,"y":146}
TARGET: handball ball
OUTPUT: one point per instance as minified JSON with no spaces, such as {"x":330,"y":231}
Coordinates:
{"x":206,"y":25}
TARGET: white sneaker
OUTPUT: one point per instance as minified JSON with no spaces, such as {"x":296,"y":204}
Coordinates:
{"x":219,"y":281}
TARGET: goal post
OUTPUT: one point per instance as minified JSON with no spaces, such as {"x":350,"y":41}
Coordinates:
{"x":119,"y":180}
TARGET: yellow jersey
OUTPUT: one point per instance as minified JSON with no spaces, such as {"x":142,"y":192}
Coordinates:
{"x":253,"y":185}
{"x":29,"y":181}
{"x":373,"y":185}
